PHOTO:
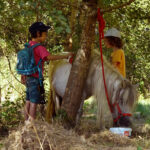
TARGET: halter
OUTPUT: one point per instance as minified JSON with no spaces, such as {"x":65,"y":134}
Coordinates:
{"x":120,"y":114}
{"x":101,"y":36}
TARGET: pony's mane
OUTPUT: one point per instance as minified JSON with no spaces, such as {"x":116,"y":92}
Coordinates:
{"x":96,"y":57}
{"x":112,"y":75}
{"x":115,"y":83}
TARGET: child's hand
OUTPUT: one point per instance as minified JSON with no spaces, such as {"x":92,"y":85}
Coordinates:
{"x":70,"y":57}
{"x":70,"y":54}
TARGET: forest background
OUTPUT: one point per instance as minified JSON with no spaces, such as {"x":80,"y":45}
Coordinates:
{"x":67,"y":17}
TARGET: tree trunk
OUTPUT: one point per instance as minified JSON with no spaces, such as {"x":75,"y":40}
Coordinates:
{"x":72,"y":22}
{"x":0,"y":94}
{"x":0,"y":97}
{"x":79,"y":71}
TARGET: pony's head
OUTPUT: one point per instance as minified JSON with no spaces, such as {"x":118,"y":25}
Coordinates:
{"x":123,"y":106}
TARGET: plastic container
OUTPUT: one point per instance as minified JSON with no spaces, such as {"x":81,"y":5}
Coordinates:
{"x":121,"y":131}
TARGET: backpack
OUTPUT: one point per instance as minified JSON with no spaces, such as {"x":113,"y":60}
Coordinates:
{"x":26,"y":62}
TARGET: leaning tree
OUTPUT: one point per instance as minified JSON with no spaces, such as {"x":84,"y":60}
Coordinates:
{"x":73,"y":93}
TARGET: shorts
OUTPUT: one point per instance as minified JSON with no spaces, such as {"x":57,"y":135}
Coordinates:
{"x":33,"y":92}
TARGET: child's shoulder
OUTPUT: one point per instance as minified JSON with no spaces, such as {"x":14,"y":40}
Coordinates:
{"x":40,"y":46}
{"x":40,"y":49}
{"x":120,"y":51}
{"x":117,"y":52}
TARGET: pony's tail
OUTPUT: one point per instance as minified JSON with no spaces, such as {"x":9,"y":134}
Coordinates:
{"x":50,"y":110}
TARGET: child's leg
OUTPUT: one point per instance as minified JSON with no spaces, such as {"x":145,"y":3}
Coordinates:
{"x":32,"y":110}
{"x":33,"y":94}
{"x":26,"y":110}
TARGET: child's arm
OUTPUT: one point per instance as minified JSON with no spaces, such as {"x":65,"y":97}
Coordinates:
{"x":57,"y":57}
{"x":117,"y":64}
{"x":117,"y":58}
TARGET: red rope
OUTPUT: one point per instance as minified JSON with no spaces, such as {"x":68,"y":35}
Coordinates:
{"x":101,"y":36}
{"x":71,"y":60}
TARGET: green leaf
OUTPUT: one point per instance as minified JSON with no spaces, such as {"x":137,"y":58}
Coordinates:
{"x":59,"y":29}
{"x":139,"y":148}
{"x":68,"y":30}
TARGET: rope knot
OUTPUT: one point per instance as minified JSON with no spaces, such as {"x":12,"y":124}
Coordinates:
{"x":101,"y":22}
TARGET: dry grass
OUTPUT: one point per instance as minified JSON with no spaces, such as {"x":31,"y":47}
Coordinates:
{"x":43,"y":136}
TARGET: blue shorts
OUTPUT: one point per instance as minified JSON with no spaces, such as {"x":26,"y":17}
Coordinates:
{"x":33,"y":93}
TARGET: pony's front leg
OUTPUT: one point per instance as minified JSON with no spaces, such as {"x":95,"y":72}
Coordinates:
{"x":80,"y":111}
{"x":58,"y":102}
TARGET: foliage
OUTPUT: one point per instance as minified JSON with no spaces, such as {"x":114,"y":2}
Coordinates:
{"x":67,"y":19}
{"x":90,"y":106}
{"x":10,"y":87}
{"x":10,"y":114}
{"x":139,"y":148}
{"x":20,"y":14}
{"x":143,"y":107}
{"x":133,"y":22}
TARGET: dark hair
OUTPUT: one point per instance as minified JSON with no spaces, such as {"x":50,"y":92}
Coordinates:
{"x":34,"y":33}
{"x":38,"y":27}
{"x":114,"y":41}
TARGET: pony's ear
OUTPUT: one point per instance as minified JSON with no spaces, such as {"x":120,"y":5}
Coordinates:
{"x":136,"y":86}
{"x":124,"y":83}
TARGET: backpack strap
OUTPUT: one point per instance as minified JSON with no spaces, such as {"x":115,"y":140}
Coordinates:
{"x":35,"y":45}
{"x":39,"y":67}
{"x":27,"y":45}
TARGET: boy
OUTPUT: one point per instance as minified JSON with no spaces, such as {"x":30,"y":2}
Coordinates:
{"x":112,"y":39}
{"x":38,"y":32}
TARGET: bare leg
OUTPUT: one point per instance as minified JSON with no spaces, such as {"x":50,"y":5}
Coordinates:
{"x":32,"y":111}
{"x":26,"y":110}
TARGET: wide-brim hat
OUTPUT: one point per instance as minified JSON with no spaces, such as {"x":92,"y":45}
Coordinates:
{"x":113,"y":32}
{"x":38,"y":26}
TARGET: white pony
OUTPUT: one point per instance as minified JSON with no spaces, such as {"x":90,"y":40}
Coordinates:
{"x":121,"y":92}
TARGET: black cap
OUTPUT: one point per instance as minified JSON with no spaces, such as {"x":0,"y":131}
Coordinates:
{"x":38,"y":26}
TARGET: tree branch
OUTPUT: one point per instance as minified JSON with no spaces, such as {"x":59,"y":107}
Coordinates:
{"x":11,"y":69}
{"x":68,"y":3}
{"x":141,"y":17}
{"x":9,"y":83}
{"x":110,"y":9}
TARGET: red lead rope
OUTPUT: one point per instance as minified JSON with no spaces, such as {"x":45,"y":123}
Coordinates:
{"x":101,"y":36}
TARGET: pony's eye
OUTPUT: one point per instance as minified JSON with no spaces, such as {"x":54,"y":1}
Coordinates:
{"x":121,"y":100}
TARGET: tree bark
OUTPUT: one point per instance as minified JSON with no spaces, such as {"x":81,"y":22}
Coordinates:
{"x":0,"y":95}
{"x":79,"y":71}
{"x":0,"y":98}
{"x":72,"y":20}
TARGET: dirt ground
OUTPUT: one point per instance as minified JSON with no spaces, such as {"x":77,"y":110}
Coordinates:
{"x":43,"y":136}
